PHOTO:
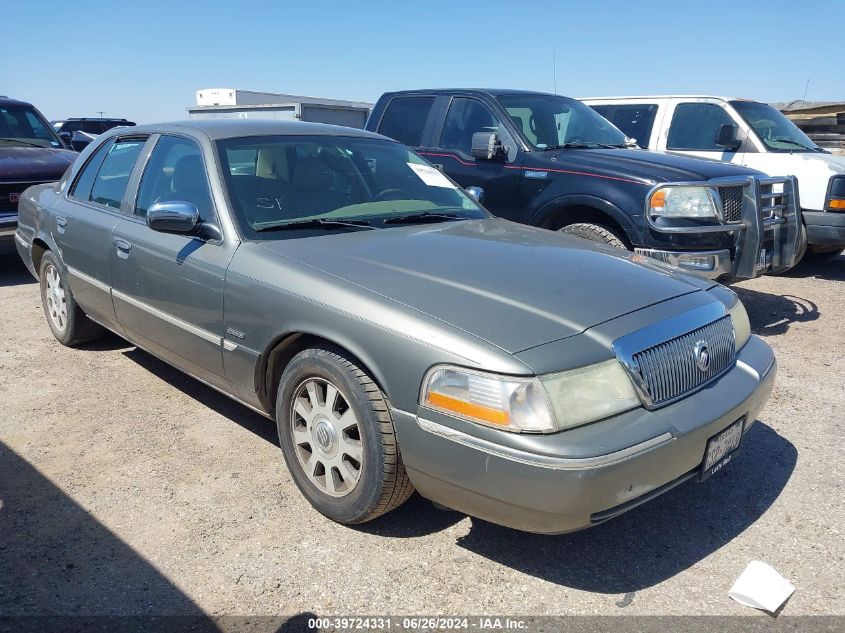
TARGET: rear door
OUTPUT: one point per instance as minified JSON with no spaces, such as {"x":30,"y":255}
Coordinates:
{"x":168,"y":287}
{"x":693,"y":125}
{"x":83,"y":221}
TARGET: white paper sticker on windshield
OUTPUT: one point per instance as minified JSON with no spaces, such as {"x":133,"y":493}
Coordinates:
{"x":431,"y":176}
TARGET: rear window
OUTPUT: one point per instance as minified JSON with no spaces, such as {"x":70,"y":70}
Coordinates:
{"x":635,"y":120}
{"x":405,"y":118}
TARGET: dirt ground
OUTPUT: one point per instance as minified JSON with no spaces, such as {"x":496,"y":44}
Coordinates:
{"x":129,"y":488}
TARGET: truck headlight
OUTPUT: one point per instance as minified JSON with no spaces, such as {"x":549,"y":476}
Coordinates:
{"x":505,"y":402}
{"x":540,"y":405}
{"x":682,"y":202}
{"x":590,"y":393}
{"x":742,"y":326}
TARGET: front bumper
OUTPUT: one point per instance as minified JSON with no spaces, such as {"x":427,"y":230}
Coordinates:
{"x":557,"y":493}
{"x":709,"y":264}
{"x":825,"y":228}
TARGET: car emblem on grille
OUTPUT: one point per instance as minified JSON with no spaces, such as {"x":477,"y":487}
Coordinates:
{"x":702,"y":356}
{"x":14,"y":197}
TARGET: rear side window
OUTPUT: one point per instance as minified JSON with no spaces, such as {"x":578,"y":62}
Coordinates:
{"x":636,"y":120}
{"x":82,"y":187}
{"x":405,"y":118}
{"x":695,"y":126}
{"x":110,"y":184}
{"x":92,"y":127}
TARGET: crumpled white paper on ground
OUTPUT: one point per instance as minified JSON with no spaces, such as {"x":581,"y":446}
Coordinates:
{"x":761,"y":587}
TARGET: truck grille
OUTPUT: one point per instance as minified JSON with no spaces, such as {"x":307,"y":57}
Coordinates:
{"x":10,"y":193}
{"x":731,"y":203}
{"x":670,"y":370}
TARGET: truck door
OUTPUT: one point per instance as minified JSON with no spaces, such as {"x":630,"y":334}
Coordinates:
{"x":693,"y":127}
{"x":452,"y":151}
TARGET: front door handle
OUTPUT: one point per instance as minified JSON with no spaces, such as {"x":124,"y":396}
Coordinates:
{"x":61,"y":223}
{"x":122,"y":245}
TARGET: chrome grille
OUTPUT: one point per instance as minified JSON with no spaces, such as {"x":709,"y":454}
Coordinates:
{"x":10,"y":193}
{"x":731,"y":203}
{"x":669,"y":370}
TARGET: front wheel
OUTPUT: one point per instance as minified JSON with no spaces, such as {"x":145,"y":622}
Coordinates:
{"x":337,"y":437}
{"x":595,"y":233}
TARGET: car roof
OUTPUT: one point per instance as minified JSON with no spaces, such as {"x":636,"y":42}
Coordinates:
{"x":722,"y":97}
{"x":6,"y":101}
{"x":93,"y":118}
{"x":235,"y":128}
{"x":492,"y":92}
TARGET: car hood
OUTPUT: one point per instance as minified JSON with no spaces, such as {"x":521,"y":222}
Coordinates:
{"x":32,"y":164}
{"x":513,"y":285}
{"x":642,"y":165}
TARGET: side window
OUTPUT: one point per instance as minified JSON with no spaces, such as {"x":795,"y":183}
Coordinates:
{"x":175,"y":172}
{"x":405,"y":118}
{"x":464,"y":118}
{"x":82,"y":187}
{"x":635,"y":120}
{"x":695,"y":125}
{"x":92,"y":127}
{"x":110,"y":183}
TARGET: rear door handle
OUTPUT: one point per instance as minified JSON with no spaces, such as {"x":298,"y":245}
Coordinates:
{"x":122,"y":245}
{"x":61,"y":223}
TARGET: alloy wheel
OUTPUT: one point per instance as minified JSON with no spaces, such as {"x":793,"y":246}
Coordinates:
{"x":56,"y":298}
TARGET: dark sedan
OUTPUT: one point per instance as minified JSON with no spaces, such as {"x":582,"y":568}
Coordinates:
{"x":399,"y":335}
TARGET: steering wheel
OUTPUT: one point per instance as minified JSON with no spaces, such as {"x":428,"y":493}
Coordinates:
{"x":393,"y":193}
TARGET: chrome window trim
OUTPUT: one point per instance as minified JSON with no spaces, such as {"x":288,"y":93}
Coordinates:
{"x":542,"y":461}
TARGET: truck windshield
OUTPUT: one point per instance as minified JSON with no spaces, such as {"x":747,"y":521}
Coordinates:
{"x":20,"y":125}
{"x":550,"y":121}
{"x":335,"y":182}
{"x":777,"y":132}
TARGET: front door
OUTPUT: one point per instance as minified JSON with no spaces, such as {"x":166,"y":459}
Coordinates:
{"x":168,"y":287}
{"x":500,"y":179}
{"x":694,"y":126}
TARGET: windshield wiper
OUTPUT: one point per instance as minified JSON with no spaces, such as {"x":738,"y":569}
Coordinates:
{"x":425,"y":216}
{"x":796,"y":143}
{"x":22,"y":142}
{"x":584,"y":145}
{"x":315,"y":223}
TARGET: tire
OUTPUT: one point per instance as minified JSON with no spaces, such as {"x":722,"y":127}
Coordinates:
{"x":65,"y":318}
{"x":823,"y":255}
{"x":803,"y":251}
{"x":322,"y":454}
{"x":596,"y":233}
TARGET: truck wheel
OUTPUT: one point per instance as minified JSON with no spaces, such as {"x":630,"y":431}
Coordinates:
{"x":66,"y":319}
{"x":802,"y":253}
{"x":595,"y":233}
{"x":824,"y":255}
{"x":337,"y":437}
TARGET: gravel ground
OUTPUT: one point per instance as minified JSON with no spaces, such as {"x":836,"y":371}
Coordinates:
{"x":129,"y":488}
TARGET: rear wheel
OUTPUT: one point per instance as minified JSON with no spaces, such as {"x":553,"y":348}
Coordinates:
{"x":596,"y":233}
{"x":337,"y":437}
{"x":66,"y":319}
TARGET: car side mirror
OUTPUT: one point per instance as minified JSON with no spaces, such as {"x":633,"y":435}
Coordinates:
{"x":476,"y":193}
{"x":173,"y":217}
{"x":726,"y":137}
{"x":487,"y":146}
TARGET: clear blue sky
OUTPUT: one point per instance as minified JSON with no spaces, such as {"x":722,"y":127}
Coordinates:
{"x":144,"y":60}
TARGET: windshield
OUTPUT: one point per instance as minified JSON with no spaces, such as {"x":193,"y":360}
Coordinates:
{"x":777,"y":132}
{"x":551,"y":121}
{"x":281,"y":180}
{"x":21,"y":125}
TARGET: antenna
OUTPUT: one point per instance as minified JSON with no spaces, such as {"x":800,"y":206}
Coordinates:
{"x":554,"y":68}
{"x":101,"y":113}
{"x":806,"y":87}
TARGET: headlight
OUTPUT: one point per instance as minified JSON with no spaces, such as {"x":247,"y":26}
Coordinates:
{"x":540,"y":405}
{"x":682,"y":202}
{"x":836,"y":194}
{"x":590,"y":393}
{"x":505,"y":402}
{"x":742,"y":326}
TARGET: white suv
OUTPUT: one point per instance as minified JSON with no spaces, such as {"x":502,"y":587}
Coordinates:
{"x":746,"y":133}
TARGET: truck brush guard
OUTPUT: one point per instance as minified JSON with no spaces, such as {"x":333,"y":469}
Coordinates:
{"x":762,"y":214}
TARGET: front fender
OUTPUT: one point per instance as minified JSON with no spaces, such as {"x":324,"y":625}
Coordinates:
{"x":552,"y":207}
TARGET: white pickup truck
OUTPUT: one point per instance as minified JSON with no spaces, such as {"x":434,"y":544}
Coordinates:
{"x":746,"y":133}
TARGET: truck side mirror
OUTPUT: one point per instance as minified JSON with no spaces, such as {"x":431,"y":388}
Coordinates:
{"x":487,"y":146}
{"x":726,"y":137}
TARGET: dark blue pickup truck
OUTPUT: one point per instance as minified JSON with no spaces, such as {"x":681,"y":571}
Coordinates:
{"x":551,"y":161}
